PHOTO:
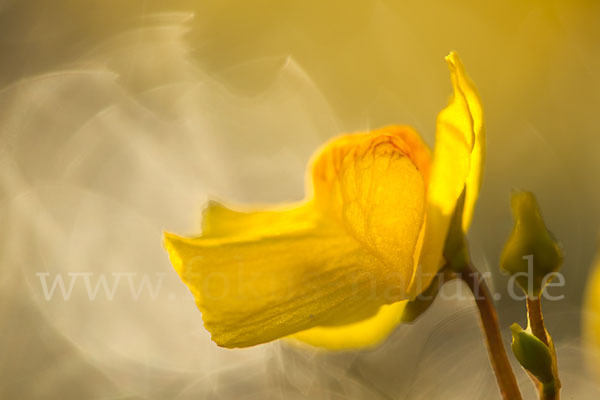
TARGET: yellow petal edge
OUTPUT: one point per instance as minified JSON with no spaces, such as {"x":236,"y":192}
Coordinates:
{"x":458,"y":160}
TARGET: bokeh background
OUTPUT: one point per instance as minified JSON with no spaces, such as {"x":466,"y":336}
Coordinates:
{"x":119,"y":119}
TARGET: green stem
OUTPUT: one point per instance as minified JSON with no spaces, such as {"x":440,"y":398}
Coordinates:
{"x":536,"y":319}
{"x":495,"y":345}
{"x":550,"y":391}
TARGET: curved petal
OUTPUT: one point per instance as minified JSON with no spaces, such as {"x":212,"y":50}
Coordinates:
{"x":254,"y":290}
{"x":477,"y":160}
{"x":366,"y":333}
{"x":371,"y":184}
{"x":330,"y":262}
{"x":457,"y":161}
{"x":221,"y":221}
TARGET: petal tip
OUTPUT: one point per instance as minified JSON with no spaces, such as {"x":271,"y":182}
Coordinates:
{"x":453,"y":58}
{"x":169,"y":240}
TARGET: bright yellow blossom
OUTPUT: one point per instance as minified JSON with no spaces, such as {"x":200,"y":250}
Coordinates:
{"x":335,"y":270}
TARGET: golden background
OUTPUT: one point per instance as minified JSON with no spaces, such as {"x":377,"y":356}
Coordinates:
{"x":118,"y":119}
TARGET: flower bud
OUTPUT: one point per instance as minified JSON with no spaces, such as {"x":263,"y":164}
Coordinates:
{"x":532,"y":354}
{"x":531,"y":254}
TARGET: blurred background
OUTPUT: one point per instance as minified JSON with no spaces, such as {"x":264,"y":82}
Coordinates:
{"x":119,"y":119}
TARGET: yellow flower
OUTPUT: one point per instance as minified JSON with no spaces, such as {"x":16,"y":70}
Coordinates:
{"x":335,"y":270}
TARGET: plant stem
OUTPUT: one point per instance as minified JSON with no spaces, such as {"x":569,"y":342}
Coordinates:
{"x":538,"y":328}
{"x":536,"y":319}
{"x":549,"y":392}
{"x":489,"y":321}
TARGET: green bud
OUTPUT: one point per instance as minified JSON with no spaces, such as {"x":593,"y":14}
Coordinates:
{"x":531,"y":251}
{"x":532,"y":354}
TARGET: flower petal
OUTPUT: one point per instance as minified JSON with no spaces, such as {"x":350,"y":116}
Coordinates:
{"x":457,"y":161}
{"x":255,"y":290}
{"x":366,"y":333}
{"x":374,"y":185}
{"x":477,"y":161}
{"x":221,"y":221}
{"x":330,"y":262}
